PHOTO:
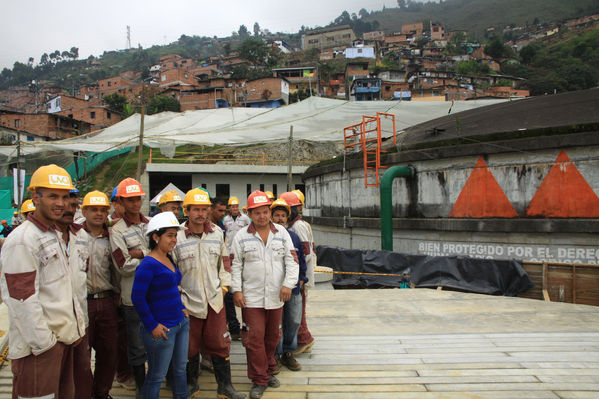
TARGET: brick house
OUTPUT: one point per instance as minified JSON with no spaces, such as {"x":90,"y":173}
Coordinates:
{"x":299,"y":78}
{"x":416,"y":29}
{"x":89,"y":111}
{"x":52,"y":126}
{"x":267,"y":92}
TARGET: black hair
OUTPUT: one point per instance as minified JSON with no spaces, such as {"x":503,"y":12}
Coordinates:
{"x":217,"y":201}
{"x":294,"y":213}
{"x":280,"y":207}
{"x":153,"y":244}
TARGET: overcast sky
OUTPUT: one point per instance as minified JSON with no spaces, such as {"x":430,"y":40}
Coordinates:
{"x":32,"y":27}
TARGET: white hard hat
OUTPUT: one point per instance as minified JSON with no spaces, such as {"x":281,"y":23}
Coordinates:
{"x":163,"y":220}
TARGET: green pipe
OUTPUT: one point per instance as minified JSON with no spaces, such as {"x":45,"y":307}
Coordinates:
{"x":386,"y":204}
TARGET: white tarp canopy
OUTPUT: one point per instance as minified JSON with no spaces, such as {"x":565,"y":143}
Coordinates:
{"x":314,"y":119}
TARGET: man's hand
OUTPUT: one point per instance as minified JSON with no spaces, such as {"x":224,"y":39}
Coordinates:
{"x":186,"y":313}
{"x":136,"y":253}
{"x":160,"y":331}
{"x":303,"y":289}
{"x":239,"y":299}
{"x":285,"y":294}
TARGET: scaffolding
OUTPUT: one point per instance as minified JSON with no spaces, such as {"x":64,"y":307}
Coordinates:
{"x":367,"y":137}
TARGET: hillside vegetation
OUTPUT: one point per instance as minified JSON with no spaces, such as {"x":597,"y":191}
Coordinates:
{"x":476,"y":16}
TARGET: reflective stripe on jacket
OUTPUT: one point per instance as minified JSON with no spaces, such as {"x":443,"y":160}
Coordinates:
{"x":259,"y":270}
{"x":124,"y":236}
{"x":205,"y":266}
{"x":39,"y":287}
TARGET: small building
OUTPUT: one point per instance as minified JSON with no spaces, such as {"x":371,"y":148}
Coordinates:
{"x":222,"y":180}
{"x":359,"y":52}
{"x":332,"y":37}
{"x":365,"y":89}
{"x":299,"y":78}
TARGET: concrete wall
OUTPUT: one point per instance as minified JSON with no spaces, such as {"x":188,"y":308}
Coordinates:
{"x":446,"y":210}
{"x":437,"y":185}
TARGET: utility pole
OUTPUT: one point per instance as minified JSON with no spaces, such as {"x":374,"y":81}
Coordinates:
{"x":19,"y":195}
{"x":290,"y":160}
{"x":140,"y":149}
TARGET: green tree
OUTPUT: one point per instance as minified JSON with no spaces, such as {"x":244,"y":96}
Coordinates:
{"x":257,"y":52}
{"x":115,"y":102}
{"x":162,"y":103}
{"x":243,"y":32}
{"x":472,"y":67}
{"x":496,"y":48}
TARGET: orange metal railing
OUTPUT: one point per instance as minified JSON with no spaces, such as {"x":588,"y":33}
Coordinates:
{"x":368,"y":138}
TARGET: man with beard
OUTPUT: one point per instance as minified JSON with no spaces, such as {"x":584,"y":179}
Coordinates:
{"x":78,"y":259}
{"x":202,"y":257}
{"x":40,"y":289}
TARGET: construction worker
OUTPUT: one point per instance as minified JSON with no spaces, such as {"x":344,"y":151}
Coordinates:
{"x":305,"y":341}
{"x":27,"y":207}
{"x":101,"y":290}
{"x":217,"y":213}
{"x":202,"y":257}
{"x":234,"y":221}
{"x":292,"y":310}
{"x":6,"y":229}
{"x":171,"y":202}
{"x":270,"y":195}
{"x":129,"y":245}
{"x":39,"y":289}
{"x":263,"y":274}
{"x":302,"y":199}
{"x":78,"y":254}
{"x":124,"y":372}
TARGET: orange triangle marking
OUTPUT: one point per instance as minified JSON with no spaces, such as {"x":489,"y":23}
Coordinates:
{"x":482,"y":197}
{"x":564,"y":193}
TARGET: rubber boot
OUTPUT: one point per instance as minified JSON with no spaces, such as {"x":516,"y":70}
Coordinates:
{"x":139,"y":373}
{"x":193,"y":372}
{"x":222,"y":373}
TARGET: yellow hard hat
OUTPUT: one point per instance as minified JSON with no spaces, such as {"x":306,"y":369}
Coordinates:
{"x":281,"y":203}
{"x":51,"y":176}
{"x":300,"y":195}
{"x":196,"y":196}
{"x":27,"y":207}
{"x":233,"y":201}
{"x":170,"y":196}
{"x":270,"y":195}
{"x":95,"y":198}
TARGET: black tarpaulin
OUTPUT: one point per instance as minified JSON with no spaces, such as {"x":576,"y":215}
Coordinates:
{"x":482,"y":276}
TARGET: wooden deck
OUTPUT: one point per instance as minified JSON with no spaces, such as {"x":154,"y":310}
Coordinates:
{"x":418,"y":343}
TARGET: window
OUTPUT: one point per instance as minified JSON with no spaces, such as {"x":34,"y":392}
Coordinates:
{"x":313,"y":41}
{"x":163,"y":77}
{"x":203,"y":185}
{"x":70,"y":116}
{"x":17,"y":123}
{"x":222,"y":190}
{"x":109,"y":83}
{"x":108,"y":115}
{"x":261,"y":187}
{"x":274,"y":190}
{"x":92,"y":114}
{"x":186,"y":75}
{"x":248,"y":189}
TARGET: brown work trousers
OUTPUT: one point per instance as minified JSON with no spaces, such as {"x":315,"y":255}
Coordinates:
{"x":49,"y":374}
{"x":260,"y":334}
{"x":303,"y":334}
{"x":103,"y":337}
{"x":209,"y":336}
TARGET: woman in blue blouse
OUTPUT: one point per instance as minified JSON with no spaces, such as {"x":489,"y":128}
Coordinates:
{"x":165,"y":323}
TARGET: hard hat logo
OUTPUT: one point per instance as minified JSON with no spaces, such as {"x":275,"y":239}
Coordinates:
{"x":200,"y":198}
{"x":177,"y":198}
{"x":259,"y":199}
{"x":97,"y":201}
{"x":60,"y":180}
{"x":133,"y":189}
